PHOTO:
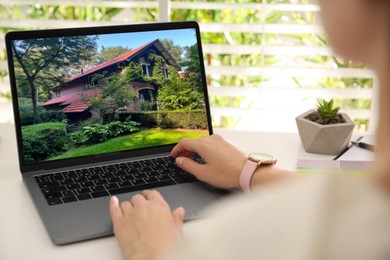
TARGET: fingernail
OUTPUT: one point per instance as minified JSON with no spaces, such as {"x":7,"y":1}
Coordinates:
{"x":179,"y":160}
{"x":114,"y":199}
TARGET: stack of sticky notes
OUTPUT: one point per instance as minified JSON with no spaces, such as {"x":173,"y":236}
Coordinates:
{"x":355,"y":160}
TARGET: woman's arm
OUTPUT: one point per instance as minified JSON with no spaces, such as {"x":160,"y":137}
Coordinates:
{"x":223,"y":163}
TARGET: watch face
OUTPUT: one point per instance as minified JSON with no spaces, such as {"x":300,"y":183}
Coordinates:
{"x":262,"y":157}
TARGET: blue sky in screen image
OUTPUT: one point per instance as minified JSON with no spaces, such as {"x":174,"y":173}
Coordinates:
{"x":182,"y":37}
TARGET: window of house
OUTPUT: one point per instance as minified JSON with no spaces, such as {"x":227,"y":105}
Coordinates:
{"x":166,"y":72}
{"x":147,"y":69}
{"x":57,"y":92}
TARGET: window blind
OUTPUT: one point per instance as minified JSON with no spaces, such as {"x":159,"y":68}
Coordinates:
{"x":266,"y":62}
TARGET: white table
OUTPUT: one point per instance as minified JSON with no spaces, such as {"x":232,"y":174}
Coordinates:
{"x":22,"y":234}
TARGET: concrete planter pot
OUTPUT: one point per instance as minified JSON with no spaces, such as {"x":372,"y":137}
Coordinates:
{"x":324,"y":139}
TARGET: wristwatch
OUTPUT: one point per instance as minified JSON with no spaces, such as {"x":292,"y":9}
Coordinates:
{"x":254,"y":160}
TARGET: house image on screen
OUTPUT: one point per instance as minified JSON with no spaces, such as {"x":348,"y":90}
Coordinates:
{"x":71,"y":96}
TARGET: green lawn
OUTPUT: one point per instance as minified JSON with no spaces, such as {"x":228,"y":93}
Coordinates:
{"x":146,"y":138}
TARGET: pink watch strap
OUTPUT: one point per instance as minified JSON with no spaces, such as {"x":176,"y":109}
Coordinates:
{"x":246,"y":175}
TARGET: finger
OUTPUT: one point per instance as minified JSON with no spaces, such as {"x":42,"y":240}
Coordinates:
{"x":125,"y":207}
{"x":178,"y":216}
{"x":152,"y":195}
{"x":137,"y":200}
{"x":115,"y":210}
{"x":191,"y":166}
{"x":185,"y":147}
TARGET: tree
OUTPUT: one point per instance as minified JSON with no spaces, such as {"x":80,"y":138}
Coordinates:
{"x":45,"y":60}
{"x":114,"y":94}
{"x":177,"y":94}
{"x":108,"y":53}
{"x":176,"y":51}
{"x":191,"y":65}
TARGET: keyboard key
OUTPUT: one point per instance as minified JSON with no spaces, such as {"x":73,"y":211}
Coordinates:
{"x":127,"y":178}
{"x":58,"y":177}
{"x":163,"y":177}
{"x":73,"y":186}
{"x":133,"y":171}
{"x":69,"y":199}
{"x":137,"y":182}
{"x":53,"y":190}
{"x":99,"y":194}
{"x":121,"y":173}
{"x":97,"y":188}
{"x":140,"y":176}
{"x":153,"y":174}
{"x":113,"y":180}
{"x":43,"y":180}
{"x":53,"y":195}
{"x":80,"y":179}
{"x":66,"y":182}
{"x":93,"y":177}
{"x":146,"y":169}
{"x":151,"y":180}
{"x":100,"y":182}
{"x":55,"y":201}
{"x":84,"y":197}
{"x":106,"y":175}
{"x":124,"y":184}
{"x":67,"y":193}
{"x":83,"y":190}
{"x":111,"y":186}
{"x":86,"y":184}
{"x":49,"y":184}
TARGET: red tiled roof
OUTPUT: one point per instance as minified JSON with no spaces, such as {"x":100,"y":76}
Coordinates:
{"x":76,"y":107}
{"x":74,"y":101}
{"x":116,"y":60}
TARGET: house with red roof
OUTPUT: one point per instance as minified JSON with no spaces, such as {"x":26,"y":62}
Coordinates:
{"x":71,"y":96}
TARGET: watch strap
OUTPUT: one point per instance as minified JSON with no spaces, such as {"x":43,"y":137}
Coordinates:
{"x":246,"y":175}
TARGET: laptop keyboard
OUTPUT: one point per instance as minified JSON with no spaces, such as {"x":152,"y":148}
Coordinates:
{"x":101,"y":181}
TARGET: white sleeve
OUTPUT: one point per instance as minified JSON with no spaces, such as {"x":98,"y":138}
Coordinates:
{"x":305,"y":220}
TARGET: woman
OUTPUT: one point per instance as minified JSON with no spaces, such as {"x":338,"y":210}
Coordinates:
{"x":311,"y":218}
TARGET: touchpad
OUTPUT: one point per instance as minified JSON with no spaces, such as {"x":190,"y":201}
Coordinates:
{"x":193,"y":197}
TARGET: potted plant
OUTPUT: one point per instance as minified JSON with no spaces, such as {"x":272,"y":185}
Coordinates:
{"x":325,"y":130}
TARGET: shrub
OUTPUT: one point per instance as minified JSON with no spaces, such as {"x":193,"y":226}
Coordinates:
{"x":195,"y":119}
{"x":44,"y":140}
{"x":98,"y":133}
{"x":27,"y":115}
{"x":51,"y":115}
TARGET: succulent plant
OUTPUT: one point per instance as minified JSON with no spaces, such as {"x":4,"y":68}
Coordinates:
{"x":326,"y":110}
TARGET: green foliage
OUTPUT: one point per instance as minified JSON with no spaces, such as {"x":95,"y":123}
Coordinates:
{"x":27,"y":115}
{"x":175,"y":50}
{"x":195,"y":119}
{"x":157,"y":79}
{"x":44,"y":62}
{"x":145,"y":106}
{"x":108,"y":53}
{"x":98,"y":133}
{"x":179,"y":94}
{"x":42,"y":141}
{"x":133,"y":72}
{"x":115,"y":93}
{"x":326,"y":110}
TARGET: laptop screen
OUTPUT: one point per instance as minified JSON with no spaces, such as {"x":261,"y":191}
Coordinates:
{"x":89,"y":94}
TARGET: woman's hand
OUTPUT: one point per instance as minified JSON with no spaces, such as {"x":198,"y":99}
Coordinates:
{"x":223,"y":161}
{"x":145,"y":226}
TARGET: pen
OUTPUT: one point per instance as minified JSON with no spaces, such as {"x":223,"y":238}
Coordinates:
{"x":346,"y":149}
{"x":363,"y":145}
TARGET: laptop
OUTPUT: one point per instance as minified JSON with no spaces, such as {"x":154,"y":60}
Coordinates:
{"x":97,"y":112}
